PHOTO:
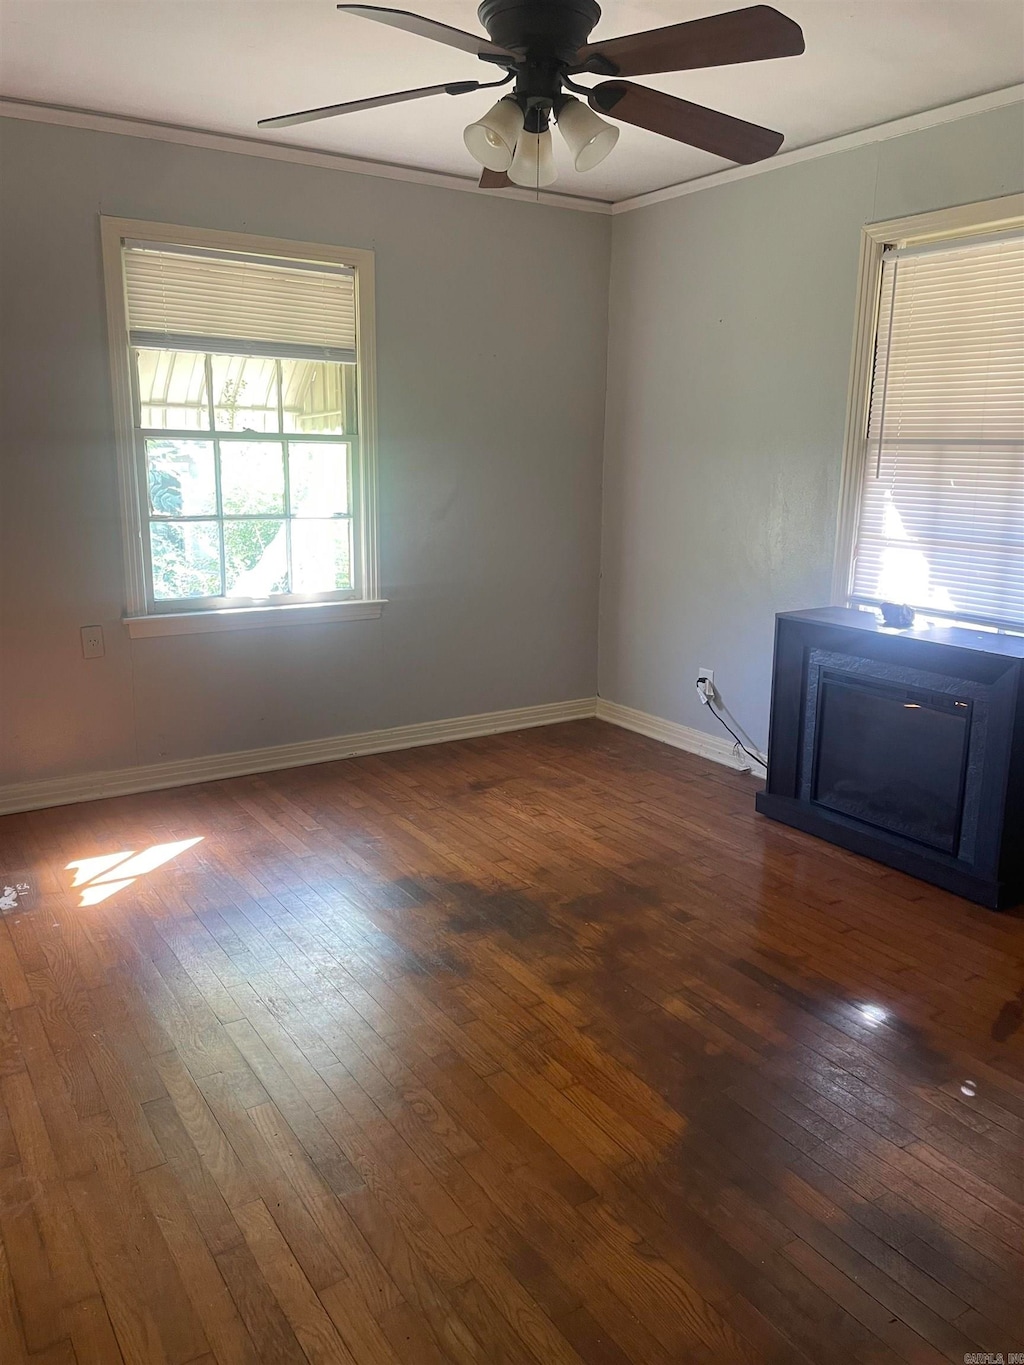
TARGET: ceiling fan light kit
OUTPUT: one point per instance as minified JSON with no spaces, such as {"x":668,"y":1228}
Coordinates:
{"x":492,"y":139}
{"x":588,"y":137}
{"x":533,"y":166}
{"x":542,"y":46}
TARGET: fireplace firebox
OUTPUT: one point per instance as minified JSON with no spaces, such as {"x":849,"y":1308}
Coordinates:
{"x":904,"y":745}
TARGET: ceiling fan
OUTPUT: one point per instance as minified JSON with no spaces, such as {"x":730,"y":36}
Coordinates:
{"x":541,"y":45}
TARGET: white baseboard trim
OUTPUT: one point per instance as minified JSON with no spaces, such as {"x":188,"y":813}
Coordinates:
{"x":719,"y":750}
{"x":61,"y":791}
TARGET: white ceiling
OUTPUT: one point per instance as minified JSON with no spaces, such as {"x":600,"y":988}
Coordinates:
{"x":223,"y":64}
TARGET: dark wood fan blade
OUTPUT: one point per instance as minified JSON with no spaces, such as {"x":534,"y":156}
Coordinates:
{"x":375,"y":102}
{"x":494,"y":180}
{"x":743,"y":35}
{"x":691,"y":123}
{"x":428,"y":28}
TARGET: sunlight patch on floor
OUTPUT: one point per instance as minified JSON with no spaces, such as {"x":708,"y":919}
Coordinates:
{"x":103,"y":876}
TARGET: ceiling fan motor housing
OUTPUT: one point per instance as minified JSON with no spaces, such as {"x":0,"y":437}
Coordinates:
{"x":546,"y":36}
{"x":545,"y":30}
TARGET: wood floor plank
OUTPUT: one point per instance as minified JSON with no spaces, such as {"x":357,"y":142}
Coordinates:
{"x":73,"y":1276}
{"x":309,"y":1319}
{"x":259,"y":1307}
{"x":357,"y":1325}
{"x":152,"y":1319}
{"x":209,"y":1208}
{"x":539,"y":1048}
{"x":207,"y":1136}
{"x":319,"y":1263}
{"x":332,"y":1218}
{"x":12,"y":1336}
{"x":228,"y":1339}
{"x":39,"y":1303}
{"x":52,"y":1093}
{"x":92,"y":1334}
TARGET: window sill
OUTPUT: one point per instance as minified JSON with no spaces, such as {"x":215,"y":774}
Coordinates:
{"x":251,"y":618}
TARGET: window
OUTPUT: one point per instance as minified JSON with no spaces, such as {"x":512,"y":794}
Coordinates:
{"x":935,"y":493}
{"x":243,"y":377}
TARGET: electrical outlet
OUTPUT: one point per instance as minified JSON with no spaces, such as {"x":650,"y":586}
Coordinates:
{"x":706,"y":684}
{"x":92,"y":642}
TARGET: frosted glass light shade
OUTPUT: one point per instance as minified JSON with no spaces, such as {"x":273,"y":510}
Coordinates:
{"x":533,"y":165}
{"x":492,"y":139}
{"x":589,"y":138}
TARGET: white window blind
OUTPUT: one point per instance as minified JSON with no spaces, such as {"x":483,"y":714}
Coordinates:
{"x":942,"y":507}
{"x":187,"y":299}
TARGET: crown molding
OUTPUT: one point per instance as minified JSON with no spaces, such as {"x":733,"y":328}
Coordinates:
{"x":879,"y":132}
{"x":304,"y":156}
{"x":98,"y":122}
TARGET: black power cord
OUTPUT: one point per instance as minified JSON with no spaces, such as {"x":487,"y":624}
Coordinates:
{"x":725,"y":724}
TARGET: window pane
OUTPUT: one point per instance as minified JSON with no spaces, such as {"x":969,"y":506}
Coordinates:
{"x":255,"y":558}
{"x":319,"y":478}
{"x":186,"y":559}
{"x":245,"y":393}
{"x":181,"y":479}
{"x":252,"y":477}
{"x":319,"y":396}
{"x":321,"y":555}
{"x":172,"y":390}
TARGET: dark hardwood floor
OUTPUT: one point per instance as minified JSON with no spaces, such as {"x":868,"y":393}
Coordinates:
{"x":540,"y":1048}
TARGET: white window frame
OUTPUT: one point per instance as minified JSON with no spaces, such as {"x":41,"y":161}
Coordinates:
{"x":962,"y":222}
{"x":140,"y":618}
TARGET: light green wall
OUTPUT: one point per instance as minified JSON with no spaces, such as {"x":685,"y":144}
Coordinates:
{"x":731,"y":324}
{"x":731,"y":317}
{"x":492,"y":340}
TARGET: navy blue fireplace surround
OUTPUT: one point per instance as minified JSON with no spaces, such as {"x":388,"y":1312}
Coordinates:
{"x":904,"y":745}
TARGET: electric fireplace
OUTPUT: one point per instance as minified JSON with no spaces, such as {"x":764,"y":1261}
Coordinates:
{"x":904,"y":745}
{"x":893,"y":757}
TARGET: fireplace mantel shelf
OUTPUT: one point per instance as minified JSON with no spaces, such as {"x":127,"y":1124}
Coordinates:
{"x":956,"y":637}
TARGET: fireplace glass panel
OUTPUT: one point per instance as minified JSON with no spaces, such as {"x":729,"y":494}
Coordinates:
{"x":893,"y":757}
